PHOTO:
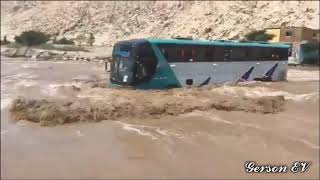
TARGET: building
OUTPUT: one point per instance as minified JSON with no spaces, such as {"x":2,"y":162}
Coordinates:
{"x":305,"y":42}
{"x":294,"y":35}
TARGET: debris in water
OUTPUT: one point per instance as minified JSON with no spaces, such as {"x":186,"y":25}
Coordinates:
{"x":118,"y":105}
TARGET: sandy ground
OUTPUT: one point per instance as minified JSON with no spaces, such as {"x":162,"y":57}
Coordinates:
{"x":198,"y":142}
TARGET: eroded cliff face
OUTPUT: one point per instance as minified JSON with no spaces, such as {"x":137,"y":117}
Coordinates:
{"x":113,"y":20}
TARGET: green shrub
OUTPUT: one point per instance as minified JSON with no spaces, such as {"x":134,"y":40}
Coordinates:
{"x":260,"y":35}
{"x":31,"y":38}
{"x":14,"y":45}
{"x":64,"y":41}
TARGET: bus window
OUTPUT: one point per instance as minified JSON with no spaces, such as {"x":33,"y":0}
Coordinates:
{"x":170,"y":52}
{"x":238,"y":54}
{"x":125,"y":48}
{"x":198,"y":54}
{"x":254,"y":54}
{"x":180,"y":57}
{"x":209,"y":54}
{"x":282,"y":53}
{"x":190,"y":54}
{"x":267,"y":54}
{"x":219,"y":53}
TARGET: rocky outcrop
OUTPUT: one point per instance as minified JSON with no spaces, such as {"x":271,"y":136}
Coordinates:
{"x":114,"y":20}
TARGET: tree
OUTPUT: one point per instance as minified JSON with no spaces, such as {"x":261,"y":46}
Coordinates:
{"x":91,"y":39}
{"x":80,"y":38}
{"x":31,"y":38}
{"x":260,"y":35}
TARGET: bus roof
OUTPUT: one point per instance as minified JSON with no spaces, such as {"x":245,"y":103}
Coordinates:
{"x":218,"y":43}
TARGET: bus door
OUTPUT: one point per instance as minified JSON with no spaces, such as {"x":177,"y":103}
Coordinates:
{"x":145,"y":63}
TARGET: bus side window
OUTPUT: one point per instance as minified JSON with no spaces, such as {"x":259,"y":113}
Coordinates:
{"x":189,"y":54}
{"x":266,"y":54}
{"x":254,"y":54}
{"x":172,"y":53}
{"x":209,"y":54}
{"x":238,"y":54}
{"x":275,"y":54}
{"x":284,"y":53}
{"x":180,"y":54}
{"x":219,"y":53}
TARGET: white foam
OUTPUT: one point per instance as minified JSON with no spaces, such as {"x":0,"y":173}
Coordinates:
{"x":4,"y":132}
{"x":64,"y":84}
{"x":5,"y":102}
{"x":140,"y":129}
{"x":20,"y":75}
{"x":29,"y":66}
{"x":79,"y":133}
{"x":307,"y":143}
{"x":89,"y":96}
{"x":262,"y":91}
{"x":220,"y":120}
{"x":26,"y":83}
{"x":162,"y":132}
{"x":130,"y":127}
{"x":51,"y":89}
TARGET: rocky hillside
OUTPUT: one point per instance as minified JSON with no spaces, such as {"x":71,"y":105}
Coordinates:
{"x":111,"y":21}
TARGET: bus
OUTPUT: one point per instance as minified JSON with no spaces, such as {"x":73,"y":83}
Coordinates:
{"x":172,"y":63}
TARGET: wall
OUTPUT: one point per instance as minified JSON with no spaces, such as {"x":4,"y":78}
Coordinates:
{"x":276,"y":33}
{"x":294,"y":38}
{"x":310,"y":35}
{"x":299,"y":34}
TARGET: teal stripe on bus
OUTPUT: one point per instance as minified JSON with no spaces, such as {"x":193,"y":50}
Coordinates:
{"x":218,"y":43}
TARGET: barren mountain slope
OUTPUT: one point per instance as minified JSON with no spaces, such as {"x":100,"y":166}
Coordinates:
{"x":111,"y":20}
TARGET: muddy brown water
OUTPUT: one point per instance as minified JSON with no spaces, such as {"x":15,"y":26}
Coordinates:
{"x":203,"y":143}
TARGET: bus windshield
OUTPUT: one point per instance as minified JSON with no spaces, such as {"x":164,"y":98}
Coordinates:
{"x":132,"y":64}
{"x":122,"y":64}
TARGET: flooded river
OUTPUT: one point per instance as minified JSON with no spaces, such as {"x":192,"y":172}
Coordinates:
{"x":203,"y":143}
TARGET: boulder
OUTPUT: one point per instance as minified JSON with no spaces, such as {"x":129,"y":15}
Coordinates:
{"x":44,"y":55}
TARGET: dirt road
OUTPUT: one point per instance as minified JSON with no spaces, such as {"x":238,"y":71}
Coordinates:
{"x":206,"y":143}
